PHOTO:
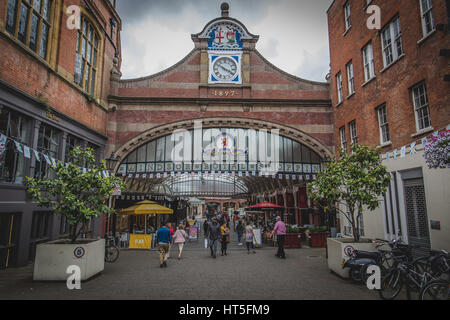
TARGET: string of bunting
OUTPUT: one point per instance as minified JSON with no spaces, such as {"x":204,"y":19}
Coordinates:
{"x":27,"y":152}
{"x":410,"y":149}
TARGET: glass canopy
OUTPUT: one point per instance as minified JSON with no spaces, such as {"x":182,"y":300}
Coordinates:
{"x":221,"y":150}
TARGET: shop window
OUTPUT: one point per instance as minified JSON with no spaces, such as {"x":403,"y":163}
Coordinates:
{"x":29,"y":21}
{"x":48,"y":143}
{"x":12,"y":163}
{"x":86,"y":64}
{"x":71,"y":143}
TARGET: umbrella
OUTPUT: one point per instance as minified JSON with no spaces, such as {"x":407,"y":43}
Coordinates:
{"x":265,"y":205}
{"x":146,"y":207}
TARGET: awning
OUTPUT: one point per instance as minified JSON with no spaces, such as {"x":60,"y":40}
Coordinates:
{"x":146,"y":207}
{"x":265,"y":205}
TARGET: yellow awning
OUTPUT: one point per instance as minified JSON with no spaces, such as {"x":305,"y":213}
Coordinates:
{"x":146,"y":207}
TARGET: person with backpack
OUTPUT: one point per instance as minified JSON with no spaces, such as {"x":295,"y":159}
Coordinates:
{"x":179,"y":239}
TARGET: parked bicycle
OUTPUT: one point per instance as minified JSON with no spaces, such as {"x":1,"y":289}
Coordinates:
{"x":111,"y":250}
{"x":438,"y":289}
{"x":415,"y":276}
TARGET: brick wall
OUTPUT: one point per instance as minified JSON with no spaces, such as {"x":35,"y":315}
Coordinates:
{"x":51,"y":81}
{"x":421,"y":61}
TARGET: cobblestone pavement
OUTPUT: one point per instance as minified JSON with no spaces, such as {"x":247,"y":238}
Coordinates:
{"x":237,"y":276}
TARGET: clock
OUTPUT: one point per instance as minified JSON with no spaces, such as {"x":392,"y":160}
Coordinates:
{"x":225,"y":68}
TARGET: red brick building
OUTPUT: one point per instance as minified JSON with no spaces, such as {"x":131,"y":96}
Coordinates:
{"x":54,"y":84}
{"x":224,"y":84}
{"x":390,"y":89}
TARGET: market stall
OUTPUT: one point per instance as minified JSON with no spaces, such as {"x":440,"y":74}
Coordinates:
{"x":263,"y":213}
{"x":138,"y":238}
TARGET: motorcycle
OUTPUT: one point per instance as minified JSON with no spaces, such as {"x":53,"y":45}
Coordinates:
{"x":360,"y":260}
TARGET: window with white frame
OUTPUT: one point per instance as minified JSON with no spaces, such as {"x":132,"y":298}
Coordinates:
{"x":348,"y":22}
{"x":343,"y":138}
{"x":350,"y":78}
{"x":339,"y":87}
{"x":367,"y":53}
{"x":353,"y":135}
{"x":391,"y":42}
{"x":383,"y":124}
{"x":426,"y":11}
{"x":421,"y":109}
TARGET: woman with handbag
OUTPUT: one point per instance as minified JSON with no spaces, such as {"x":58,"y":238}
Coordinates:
{"x":225,"y":237}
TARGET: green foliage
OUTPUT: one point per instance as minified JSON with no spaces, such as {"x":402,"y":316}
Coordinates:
{"x":319,"y":229}
{"x":291,"y":229}
{"x":355,"y":180}
{"x":79,"y":196}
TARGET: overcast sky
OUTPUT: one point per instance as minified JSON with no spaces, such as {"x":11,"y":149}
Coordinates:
{"x":293,"y":34}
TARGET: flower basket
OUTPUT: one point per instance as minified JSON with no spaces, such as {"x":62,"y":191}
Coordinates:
{"x":437,"y":151}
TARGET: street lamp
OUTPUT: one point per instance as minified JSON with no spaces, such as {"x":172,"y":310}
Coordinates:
{"x":111,"y":162}
{"x":110,"y":165}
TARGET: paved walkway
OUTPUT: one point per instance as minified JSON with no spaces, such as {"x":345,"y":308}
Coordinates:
{"x":237,"y":276}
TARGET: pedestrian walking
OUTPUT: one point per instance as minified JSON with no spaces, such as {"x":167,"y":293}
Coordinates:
{"x":213,"y":236}
{"x":249,"y":237}
{"x":240,"y":231}
{"x":280,"y":231}
{"x":225,"y":237}
{"x":179,"y":239}
{"x":169,"y":225}
{"x":163,"y":239}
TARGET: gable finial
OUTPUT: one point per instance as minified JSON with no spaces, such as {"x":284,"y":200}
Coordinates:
{"x":225,"y":9}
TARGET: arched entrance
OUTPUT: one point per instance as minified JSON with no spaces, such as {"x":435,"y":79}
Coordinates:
{"x":229,"y":162}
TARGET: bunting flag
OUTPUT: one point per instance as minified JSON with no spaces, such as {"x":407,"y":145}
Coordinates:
{"x":53,"y":163}
{"x":36,"y":154}
{"x":395,"y":152}
{"x":47,"y":159}
{"x":247,"y":174}
{"x":253,"y":173}
{"x":293,"y":177}
{"x":387,"y":156}
{"x":18,"y":146}
{"x":26,"y":152}
{"x":413,"y":148}
{"x":3,"y":139}
{"x":402,"y":152}
{"x":424,"y":142}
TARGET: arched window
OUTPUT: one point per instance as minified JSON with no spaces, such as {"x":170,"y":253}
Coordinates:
{"x":86,"y":56}
{"x":29,"y":22}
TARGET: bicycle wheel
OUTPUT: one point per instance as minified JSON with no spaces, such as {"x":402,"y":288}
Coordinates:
{"x":391,"y":285}
{"x":435,"y":290}
{"x":111,"y":253}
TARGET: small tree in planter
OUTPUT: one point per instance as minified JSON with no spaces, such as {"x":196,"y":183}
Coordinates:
{"x":356,"y":180}
{"x":78,"y":195}
{"x":437,"y":151}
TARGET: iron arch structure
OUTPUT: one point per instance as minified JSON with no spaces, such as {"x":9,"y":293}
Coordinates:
{"x":214,"y":157}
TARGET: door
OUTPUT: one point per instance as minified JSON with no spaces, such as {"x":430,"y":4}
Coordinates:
{"x":9,"y":223}
{"x":416,"y":216}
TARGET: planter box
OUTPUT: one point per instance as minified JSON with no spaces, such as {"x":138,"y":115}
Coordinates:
{"x":318,"y":239}
{"x":293,"y":241}
{"x":53,"y":258}
{"x":340,"y":249}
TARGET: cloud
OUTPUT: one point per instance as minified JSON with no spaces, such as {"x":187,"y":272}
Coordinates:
{"x":156,"y":33}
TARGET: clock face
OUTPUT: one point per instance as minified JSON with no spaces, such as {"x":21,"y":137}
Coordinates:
{"x":225,"y":68}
